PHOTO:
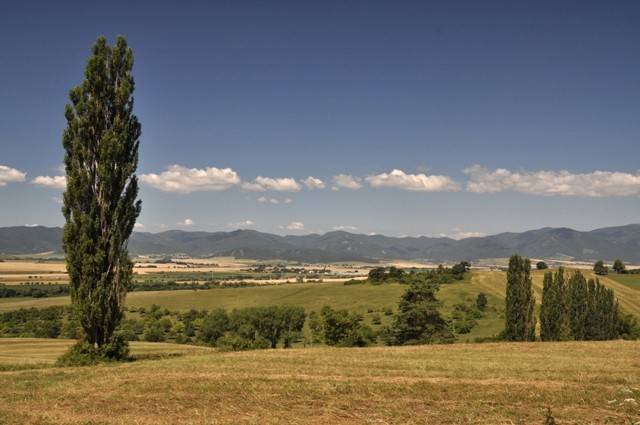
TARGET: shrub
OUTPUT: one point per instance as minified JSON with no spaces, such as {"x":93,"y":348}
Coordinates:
{"x":85,"y":354}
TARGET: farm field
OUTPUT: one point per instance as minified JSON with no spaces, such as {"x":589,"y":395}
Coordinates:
{"x":498,"y":383}
{"x":368,"y":300}
{"x":29,"y":352}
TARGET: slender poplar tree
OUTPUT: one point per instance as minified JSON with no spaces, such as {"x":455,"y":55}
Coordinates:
{"x":520,"y":322}
{"x":100,"y":202}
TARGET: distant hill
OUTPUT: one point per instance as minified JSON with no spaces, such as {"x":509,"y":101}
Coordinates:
{"x":607,"y":243}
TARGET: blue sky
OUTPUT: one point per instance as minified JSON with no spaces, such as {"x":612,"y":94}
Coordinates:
{"x":496,"y":116}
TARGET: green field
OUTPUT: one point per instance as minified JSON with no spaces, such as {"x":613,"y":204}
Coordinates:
{"x":630,"y":280}
{"x":365,"y":299}
{"x":583,"y":383}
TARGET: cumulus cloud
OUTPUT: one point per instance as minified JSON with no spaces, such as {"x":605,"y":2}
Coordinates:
{"x":10,"y":175}
{"x":347,"y":228}
{"x":56,"y":182}
{"x":313,"y":183}
{"x":242,"y":224}
{"x":346,"y":181}
{"x":186,"y":222}
{"x":180,"y":179}
{"x":138,"y":226}
{"x":414,"y":182}
{"x":553,"y":183}
{"x":274,"y":201}
{"x":261,"y":184}
{"x":295,"y":225}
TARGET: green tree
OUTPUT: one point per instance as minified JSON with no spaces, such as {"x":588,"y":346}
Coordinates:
{"x":100,"y":207}
{"x":520,"y":322}
{"x":418,"y":320}
{"x":481,"y":301}
{"x":554,"y":311}
{"x":541,"y":265}
{"x":618,"y":266}
{"x":600,"y":269}
{"x":578,"y":305}
{"x":345,"y":329}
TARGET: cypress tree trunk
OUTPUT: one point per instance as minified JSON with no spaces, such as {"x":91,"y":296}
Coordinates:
{"x":100,"y":207}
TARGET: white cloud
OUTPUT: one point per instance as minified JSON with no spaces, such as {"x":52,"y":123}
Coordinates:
{"x":31,"y":225}
{"x":180,"y":179}
{"x":265,"y":200}
{"x":287,"y":200}
{"x":10,"y":175}
{"x":295,"y":225}
{"x":138,"y":226}
{"x":346,"y":181}
{"x":414,"y":182}
{"x":57,"y":200}
{"x":553,"y":183}
{"x":347,"y":228}
{"x":261,"y":184}
{"x":462,"y":234}
{"x":56,"y":182}
{"x":313,"y":183}
{"x":242,"y":224}
{"x":186,"y":222}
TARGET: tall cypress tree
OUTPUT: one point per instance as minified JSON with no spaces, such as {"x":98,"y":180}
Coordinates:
{"x":520,"y":322}
{"x":547,"y":322}
{"x":554,"y":312}
{"x":100,"y":203}
{"x":578,"y":305}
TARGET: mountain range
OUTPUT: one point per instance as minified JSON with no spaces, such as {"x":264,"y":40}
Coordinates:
{"x":607,"y":243}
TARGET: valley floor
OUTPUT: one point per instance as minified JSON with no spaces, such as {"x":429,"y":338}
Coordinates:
{"x":501,"y":383}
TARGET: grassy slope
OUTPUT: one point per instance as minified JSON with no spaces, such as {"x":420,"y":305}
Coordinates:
{"x":37,"y":351}
{"x":464,"y":383}
{"x":360,"y":298}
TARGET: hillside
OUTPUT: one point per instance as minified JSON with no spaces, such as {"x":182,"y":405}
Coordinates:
{"x":607,"y":243}
{"x":505,"y":383}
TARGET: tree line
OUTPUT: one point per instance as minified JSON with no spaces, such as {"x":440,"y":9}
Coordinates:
{"x":572,"y":308}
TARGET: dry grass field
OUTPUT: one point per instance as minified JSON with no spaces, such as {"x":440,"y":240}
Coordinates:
{"x":582,"y":382}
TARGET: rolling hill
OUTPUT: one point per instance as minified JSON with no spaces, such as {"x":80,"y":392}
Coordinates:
{"x":607,"y":243}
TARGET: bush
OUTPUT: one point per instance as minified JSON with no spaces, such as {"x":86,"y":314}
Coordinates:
{"x":85,"y":354}
{"x":541,"y":265}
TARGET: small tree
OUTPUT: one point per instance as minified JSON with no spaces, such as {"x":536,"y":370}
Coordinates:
{"x":600,"y":269}
{"x":100,"y":207}
{"x":618,"y":266}
{"x":481,"y":301}
{"x":418,"y":320}
{"x":541,"y":265}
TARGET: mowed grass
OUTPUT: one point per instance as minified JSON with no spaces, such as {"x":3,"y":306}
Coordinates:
{"x":631,"y":280}
{"x":38,"y":351}
{"x":582,"y":382}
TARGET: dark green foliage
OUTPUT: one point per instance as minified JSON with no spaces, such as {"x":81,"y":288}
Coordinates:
{"x":619,"y":267}
{"x":464,"y":318}
{"x":541,"y":265}
{"x":554,"y":310}
{"x":589,"y":310}
{"x":345,"y":329}
{"x":461,"y":268}
{"x":34,"y":290}
{"x":600,"y":269}
{"x":85,"y":354}
{"x":315,"y":326}
{"x":214,"y":325}
{"x":578,"y":305}
{"x":418,"y":320}
{"x":520,"y":321}
{"x":482,"y":301}
{"x":100,"y":207}
{"x":628,"y":327}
